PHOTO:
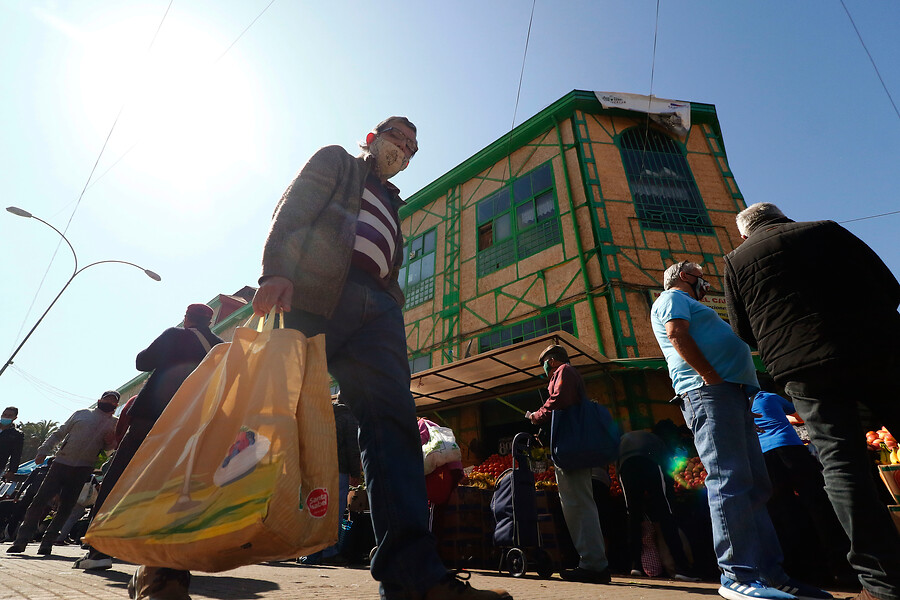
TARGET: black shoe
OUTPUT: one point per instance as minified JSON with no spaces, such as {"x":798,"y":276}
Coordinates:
{"x":586,"y":575}
{"x":45,"y":550}
{"x":16,"y":549}
{"x":337,"y":560}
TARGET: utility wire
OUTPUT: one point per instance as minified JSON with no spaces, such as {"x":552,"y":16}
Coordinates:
{"x":877,"y":72}
{"x":52,"y":394}
{"x":522,"y":71}
{"x":220,"y":57}
{"x":894,"y":212}
{"x":650,"y":99}
{"x":519,"y":89}
{"x":84,"y":189}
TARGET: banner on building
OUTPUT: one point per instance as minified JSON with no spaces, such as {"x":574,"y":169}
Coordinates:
{"x":673,"y":115}
{"x":714,"y":301}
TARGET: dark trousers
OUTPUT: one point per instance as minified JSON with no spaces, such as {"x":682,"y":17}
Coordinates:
{"x":137,"y":432}
{"x":138,"y":429}
{"x":366,"y":350}
{"x":827,"y":402}
{"x":61,"y":479}
{"x":647,"y":491}
{"x":794,"y":472}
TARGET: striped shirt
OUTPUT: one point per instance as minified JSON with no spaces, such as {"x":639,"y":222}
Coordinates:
{"x":377,"y":229}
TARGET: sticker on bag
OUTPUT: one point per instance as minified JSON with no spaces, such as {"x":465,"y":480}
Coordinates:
{"x":316,"y":502}
{"x":244,"y":454}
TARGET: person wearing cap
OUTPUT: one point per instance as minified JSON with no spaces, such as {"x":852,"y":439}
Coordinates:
{"x":171,"y":358}
{"x":576,"y":494}
{"x":331,"y":262}
{"x":83,"y":436}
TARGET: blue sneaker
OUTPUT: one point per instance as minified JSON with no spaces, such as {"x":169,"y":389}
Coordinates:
{"x":744,"y":590}
{"x":803,"y":591}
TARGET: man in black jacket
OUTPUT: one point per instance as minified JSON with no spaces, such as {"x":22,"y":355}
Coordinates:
{"x":11,"y":442}
{"x":171,"y":358}
{"x":821,"y":307}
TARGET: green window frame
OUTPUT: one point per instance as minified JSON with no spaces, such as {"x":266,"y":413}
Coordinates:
{"x":666,"y":197}
{"x":558,"y":320}
{"x":517,"y":221}
{"x":419,"y":363}
{"x":417,"y":273}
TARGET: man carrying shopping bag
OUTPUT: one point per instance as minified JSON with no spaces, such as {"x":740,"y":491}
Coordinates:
{"x":331,"y":262}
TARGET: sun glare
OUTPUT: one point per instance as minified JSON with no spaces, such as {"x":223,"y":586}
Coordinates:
{"x":188,"y":110}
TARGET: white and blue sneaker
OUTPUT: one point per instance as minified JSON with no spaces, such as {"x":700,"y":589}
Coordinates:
{"x":803,"y":591}
{"x":744,"y":590}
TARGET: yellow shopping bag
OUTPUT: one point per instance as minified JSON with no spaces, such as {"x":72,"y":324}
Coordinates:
{"x":240,"y":468}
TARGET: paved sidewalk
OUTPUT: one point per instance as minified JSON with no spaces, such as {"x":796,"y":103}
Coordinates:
{"x":31,"y":577}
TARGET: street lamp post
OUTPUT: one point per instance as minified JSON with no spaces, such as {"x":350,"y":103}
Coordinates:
{"x":24,"y":213}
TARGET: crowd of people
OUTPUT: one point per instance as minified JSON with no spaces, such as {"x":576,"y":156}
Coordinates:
{"x":330,"y":265}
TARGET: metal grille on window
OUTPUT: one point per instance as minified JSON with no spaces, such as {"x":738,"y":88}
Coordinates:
{"x":562,"y":320}
{"x":665,"y":194}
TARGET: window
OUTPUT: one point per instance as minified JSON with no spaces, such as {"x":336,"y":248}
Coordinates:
{"x":419,"y":363}
{"x":562,"y":320}
{"x":665,"y":194}
{"x":517,"y":221}
{"x":417,"y":273}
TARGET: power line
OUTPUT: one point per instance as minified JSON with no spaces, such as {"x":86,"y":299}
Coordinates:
{"x":84,"y":189}
{"x":49,"y":392}
{"x":519,"y":89}
{"x":244,"y":31}
{"x":220,"y":57}
{"x":894,"y":212}
{"x":650,"y":98}
{"x":877,"y":72}
{"x":522,"y":71}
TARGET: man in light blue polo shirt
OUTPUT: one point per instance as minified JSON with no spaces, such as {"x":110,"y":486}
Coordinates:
{"x":713,"y":373}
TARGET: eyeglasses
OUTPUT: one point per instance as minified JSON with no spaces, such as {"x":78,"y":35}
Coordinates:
{"x":401,"y":137}
{"x":702,"y":281}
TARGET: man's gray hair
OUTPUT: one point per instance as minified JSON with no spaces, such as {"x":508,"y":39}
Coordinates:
{"x":671,"y":274}
{"x":755,"y":214}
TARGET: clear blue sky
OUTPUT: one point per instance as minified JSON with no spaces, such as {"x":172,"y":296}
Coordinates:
{"x":206,"y":142}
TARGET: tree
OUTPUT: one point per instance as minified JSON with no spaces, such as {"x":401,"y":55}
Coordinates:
{"x":35,"y":434}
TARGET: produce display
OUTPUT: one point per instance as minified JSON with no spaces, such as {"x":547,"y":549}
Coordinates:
{"x":884,"y":443}
{"x":615,"y":488}
{"x":689,"y":475}
{"x":485,"y":475}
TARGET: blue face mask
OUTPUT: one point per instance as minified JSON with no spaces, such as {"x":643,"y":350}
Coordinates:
{"x":547,"y":368}
{"x":5,"y":421}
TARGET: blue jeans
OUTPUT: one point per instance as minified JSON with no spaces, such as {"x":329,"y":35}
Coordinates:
{"x":737,"y":483}
{"x":365,"y":344}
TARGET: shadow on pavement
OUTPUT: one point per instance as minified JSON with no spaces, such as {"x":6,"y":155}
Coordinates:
{"x":230,"y":588}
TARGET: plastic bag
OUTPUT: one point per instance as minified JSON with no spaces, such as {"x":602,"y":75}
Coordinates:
{"x":441,"y":447}
{"x":240,"y":468}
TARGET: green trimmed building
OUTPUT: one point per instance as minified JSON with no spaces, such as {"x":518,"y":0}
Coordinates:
{"x":565,"y":224}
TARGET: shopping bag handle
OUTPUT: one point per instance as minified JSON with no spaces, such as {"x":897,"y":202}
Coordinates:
{"x":267,"y":322}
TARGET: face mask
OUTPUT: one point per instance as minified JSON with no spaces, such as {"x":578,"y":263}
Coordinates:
{"x":107,"y":407}
{"x":701,"y":286}
{"x":5,"y":421}
{"x":547,"y":368}
{"x":389,"y":158}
